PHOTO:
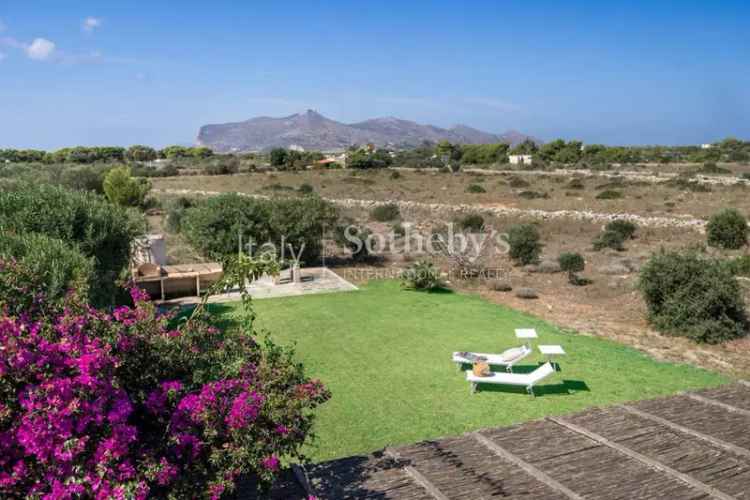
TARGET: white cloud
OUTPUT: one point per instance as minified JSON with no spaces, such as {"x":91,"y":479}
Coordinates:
{"x":90,"y":24}
{"x":40,"y":49}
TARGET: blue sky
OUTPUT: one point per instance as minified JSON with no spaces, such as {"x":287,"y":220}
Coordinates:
{"x":630,"y":72}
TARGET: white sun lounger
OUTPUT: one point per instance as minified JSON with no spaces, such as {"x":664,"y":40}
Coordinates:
{"x":507,"y":359}
{"x":527,"y":380}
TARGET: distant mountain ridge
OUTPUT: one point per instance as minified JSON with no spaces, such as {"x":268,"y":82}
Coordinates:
{"x":313,"y":131}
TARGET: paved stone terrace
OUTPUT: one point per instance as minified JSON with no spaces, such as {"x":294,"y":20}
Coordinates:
{"x":315,"y":280}
{"x":690,"y":446}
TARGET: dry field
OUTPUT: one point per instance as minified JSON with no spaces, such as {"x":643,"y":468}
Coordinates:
{"x":610,"y":306}
{"x":514,"y":190}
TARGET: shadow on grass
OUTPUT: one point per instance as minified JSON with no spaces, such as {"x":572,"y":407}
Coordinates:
{"x":432,"y":291}
{"x":564,"y":388}
{"x":518,"y":369}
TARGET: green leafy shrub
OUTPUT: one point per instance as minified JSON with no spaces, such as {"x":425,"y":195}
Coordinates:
{"x":609,"y":194}
{"x":175,"y":210}
{"x":525,"y":244}
{"x":395,"y":174}
{"x":123,"y":189}
{"x":475,"y":188}
{"x":85,"y":178}
{"x":739,"y":266}
{"x":223,"y":166}
{"x":609,"y":239}
{"x":398,"y":229}
{"x":623,"y":226}
{"x":421,"y":275}
{"x":727,"y":229}
{"x":473,"y":223}
{"x":355,"y":239}
{"x":572,"y":263}
{"x":217,"y":225}
{"x":385,"y":213}
{"x":695,"y":297}
{"x":57,"y":266}
{"x":85,"y":221}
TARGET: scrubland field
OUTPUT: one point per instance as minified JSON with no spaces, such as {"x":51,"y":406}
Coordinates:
{"x":669,"y":204}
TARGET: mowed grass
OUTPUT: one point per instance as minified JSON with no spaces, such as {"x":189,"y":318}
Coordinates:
{"x":385,"y":354}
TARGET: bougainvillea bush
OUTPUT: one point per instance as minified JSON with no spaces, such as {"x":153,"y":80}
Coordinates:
{"x":119,"y":404}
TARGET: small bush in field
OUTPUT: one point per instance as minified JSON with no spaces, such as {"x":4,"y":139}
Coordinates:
{"x":532,"y":195}
{"x":625,"y":227}
{"x":473,"y":223}
{"x":422,"y":275}
{"x":395,"y":174}
{"x":398,"y":229}
{"x":727,"y":229}
{"x":527,"y":293}
{"x":694,"y":297}
{"x":123,"y":189}
{"x":609,"y":239}
{"x":573,"y":263}
{"x":354,"y":238}
{"x":517,"y":182}
{"x":475,"y":188}
{"x":576,"y":184}
{"x":524,"y":242}
{"x":385,"y":213}
{"x":740,"y":266}
{"x":501,"y":285}
{"x":609,"y":194}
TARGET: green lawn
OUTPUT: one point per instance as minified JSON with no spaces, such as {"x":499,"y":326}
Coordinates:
{"x":385,"y":353}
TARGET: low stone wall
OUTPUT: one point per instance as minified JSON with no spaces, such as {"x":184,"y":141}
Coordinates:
{"x":445,"y":209}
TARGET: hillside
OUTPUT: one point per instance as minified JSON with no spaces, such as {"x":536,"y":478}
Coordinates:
{"x":313,"y":131}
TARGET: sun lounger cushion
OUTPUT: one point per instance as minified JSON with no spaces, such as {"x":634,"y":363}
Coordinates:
{"x":471,"y":357}
{"x":512,"y":354}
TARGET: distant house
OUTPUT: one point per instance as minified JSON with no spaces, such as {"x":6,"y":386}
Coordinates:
{"x":520,"y":159}
{"x":332,"y":160}
{"x":706,"y":146}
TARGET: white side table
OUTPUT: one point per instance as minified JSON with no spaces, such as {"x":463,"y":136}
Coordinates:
{"x":550,"y":351}
{"x":526,"y":334}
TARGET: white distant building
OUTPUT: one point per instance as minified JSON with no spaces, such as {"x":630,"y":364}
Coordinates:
{"x":296,"y":147}
{"x":520,"y":159}
{"x":706,"y":146}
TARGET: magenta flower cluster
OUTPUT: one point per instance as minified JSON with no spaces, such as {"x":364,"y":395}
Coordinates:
{"x":119,"y":405}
